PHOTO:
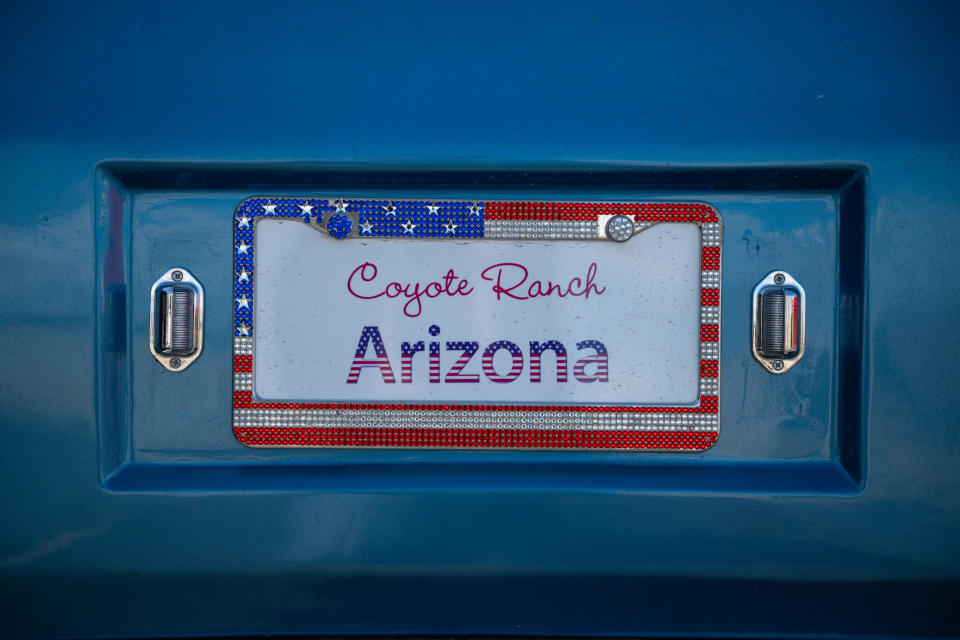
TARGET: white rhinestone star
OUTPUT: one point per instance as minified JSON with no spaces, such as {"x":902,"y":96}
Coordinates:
{"x":450,"y":227}
{"x":366,"y":228}
{"x":244,"y":329}
{"x":243,"y":302}
{"x":269,"y":208}
{"x":243,"y":276}
{"x":408,"y":227}
{"x":306,"y":208}
{"x":475,"y":210}
{"x":432,"y":208}
{"x":341,"y":206}
{"x":243,"y":248}
{"x":390,"y":209}
{"x":243,"y":221}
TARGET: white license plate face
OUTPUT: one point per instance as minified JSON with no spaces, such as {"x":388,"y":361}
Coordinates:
{"x":468,"y":324}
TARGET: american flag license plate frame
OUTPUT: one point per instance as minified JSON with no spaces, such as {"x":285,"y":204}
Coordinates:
{"x":687,"y":427}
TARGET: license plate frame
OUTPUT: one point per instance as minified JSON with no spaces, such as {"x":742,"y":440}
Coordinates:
{"x":679,"y":427}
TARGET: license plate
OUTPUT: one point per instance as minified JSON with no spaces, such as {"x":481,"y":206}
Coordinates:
{"x":476,"y":324}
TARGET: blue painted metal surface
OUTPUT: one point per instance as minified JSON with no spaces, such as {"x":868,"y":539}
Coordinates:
{"x":827,"y":136}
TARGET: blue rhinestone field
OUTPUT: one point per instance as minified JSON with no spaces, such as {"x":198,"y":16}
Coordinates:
{"x":418,"y":218}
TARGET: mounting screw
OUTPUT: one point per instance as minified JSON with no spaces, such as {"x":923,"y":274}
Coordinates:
{"x":619,"y":228}
{"x":779,"y":279}
{"x":176,"y":362}
{"x":778,"y":364}
{"x":177,"y":275}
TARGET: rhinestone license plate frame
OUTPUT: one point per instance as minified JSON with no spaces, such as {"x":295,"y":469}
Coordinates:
{"x":662,"y":427}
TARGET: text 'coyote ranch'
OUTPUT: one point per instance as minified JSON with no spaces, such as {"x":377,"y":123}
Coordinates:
{"x":508,"y":281}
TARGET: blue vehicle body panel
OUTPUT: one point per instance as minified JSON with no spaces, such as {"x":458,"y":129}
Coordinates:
{"x":825,"y":134}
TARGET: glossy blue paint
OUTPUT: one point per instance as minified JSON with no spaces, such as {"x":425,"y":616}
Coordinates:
{"x":826,"y":134}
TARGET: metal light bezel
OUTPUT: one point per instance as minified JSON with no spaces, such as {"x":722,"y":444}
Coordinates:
{"x":177,"y":276}
{"x":780,"y":364}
